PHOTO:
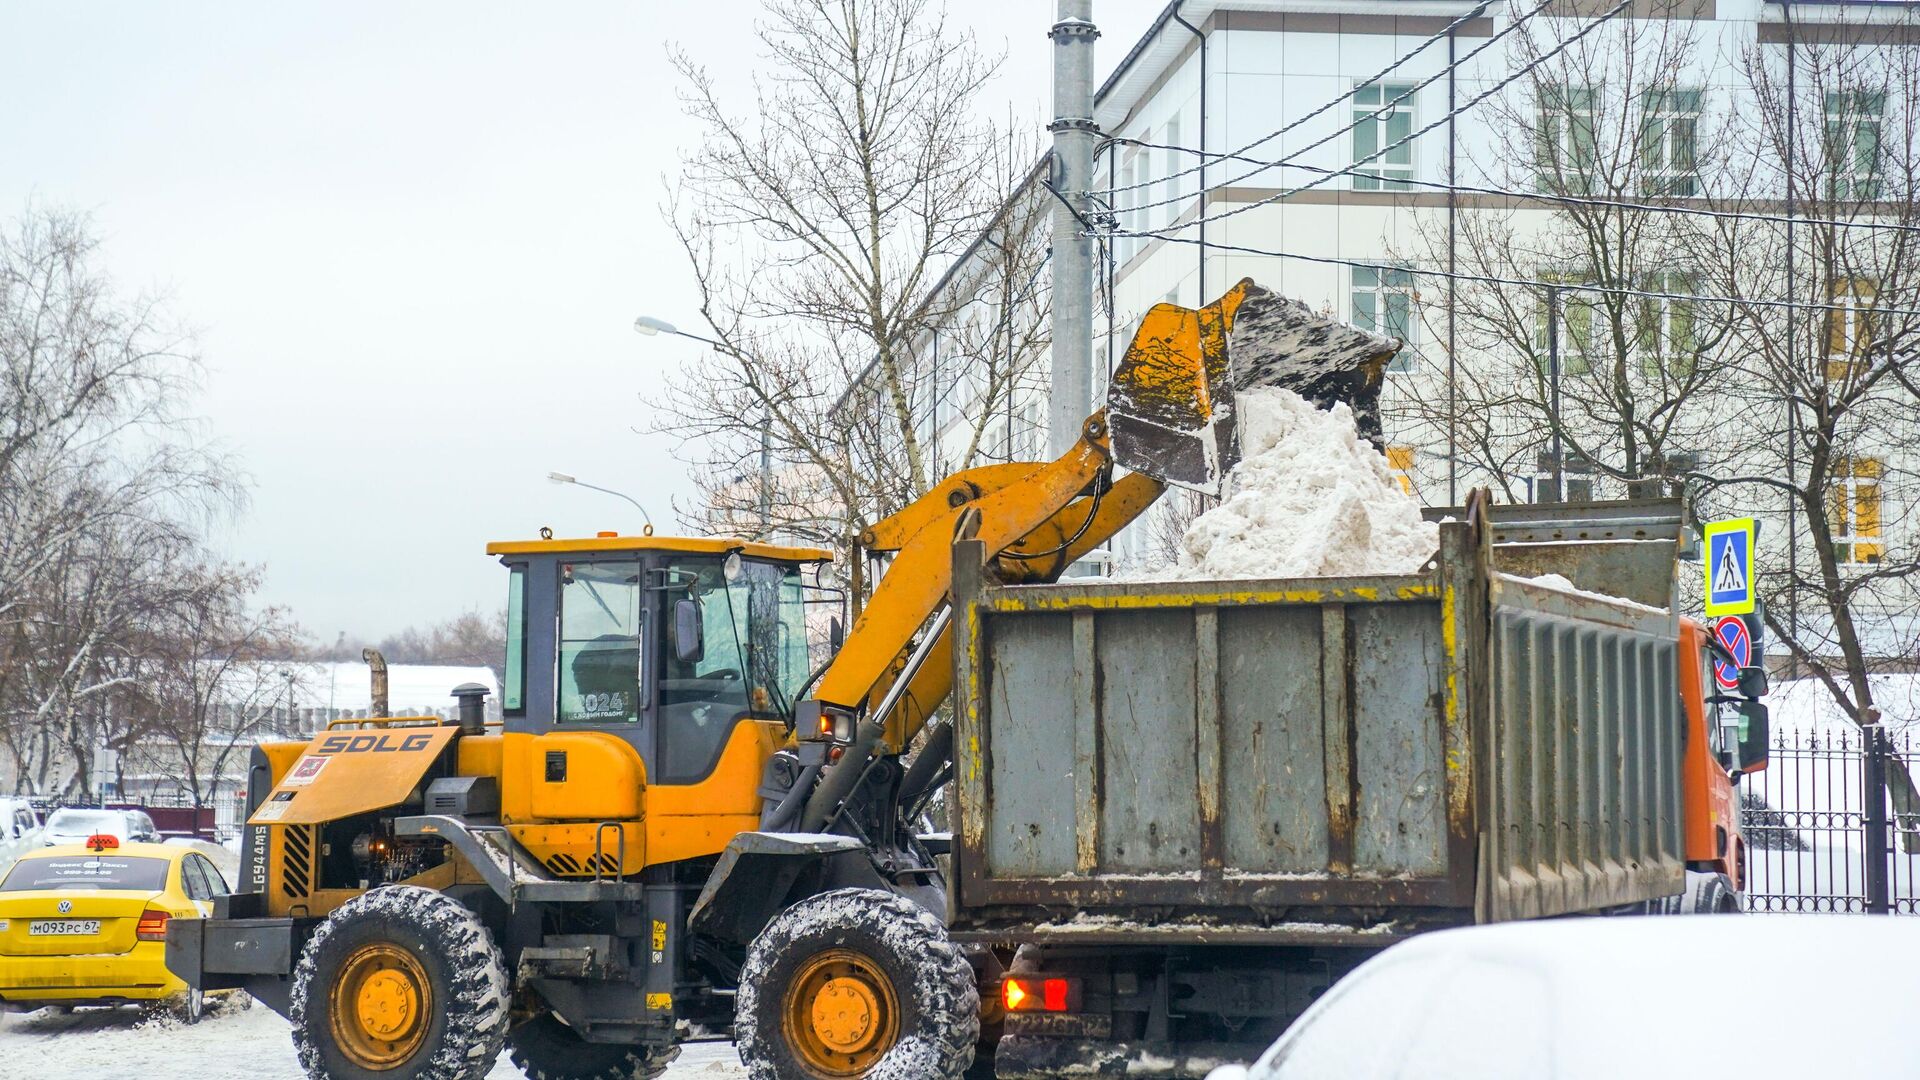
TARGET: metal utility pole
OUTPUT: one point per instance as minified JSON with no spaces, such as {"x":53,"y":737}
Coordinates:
{"x":1071,"y":175}
{"x":1553,"y":406}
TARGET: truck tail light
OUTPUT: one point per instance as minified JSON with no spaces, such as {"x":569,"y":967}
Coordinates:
{"x":1027,"y":994}
{"x":153,"y":925}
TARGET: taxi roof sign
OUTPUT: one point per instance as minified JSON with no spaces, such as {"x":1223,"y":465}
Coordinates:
{"x":1729,"y":566}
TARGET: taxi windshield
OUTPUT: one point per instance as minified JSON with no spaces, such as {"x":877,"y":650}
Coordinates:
{"x":69,"y":873}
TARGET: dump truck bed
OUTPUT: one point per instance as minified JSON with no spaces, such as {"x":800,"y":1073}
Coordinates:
{"x":1321,"y":761}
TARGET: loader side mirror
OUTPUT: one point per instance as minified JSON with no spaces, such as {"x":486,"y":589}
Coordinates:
{"x":1754,"y":737}
{"x":836,"y":634}
{"x":1753,"y":681}
{"x":689,"y":641}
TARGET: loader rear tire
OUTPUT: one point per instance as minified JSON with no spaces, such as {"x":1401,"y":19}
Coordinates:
{"x":856,"y":983}
{"x":400,"y":983}
{"x":546,"y":1049}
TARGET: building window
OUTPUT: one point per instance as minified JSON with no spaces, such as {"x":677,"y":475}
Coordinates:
{"x":1849,"y":327}
{"x":1669,"y":123}
{"x":1400,"y":460}
{"x":1382,"y":149}
{"x":1132,"y":172}
{"x":1564,"y":151}
{"x":1576,"y":472}
{"x":1665,"y":333}
{"x":1172,"y":187}
{"x":1852,"y":148}
{"x":1575,"y":335}
{"x":1853,"y":510}
{"x":1383,"y":302}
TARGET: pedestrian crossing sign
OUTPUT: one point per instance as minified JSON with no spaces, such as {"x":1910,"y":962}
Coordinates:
{"x":1730,"y":567}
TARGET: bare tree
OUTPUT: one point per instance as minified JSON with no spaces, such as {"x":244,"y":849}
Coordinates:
{"x":814,"y":223}
{"x":1608,"y":361}
{"x":210,"y":685}
{"x":982,"y":366}
{"x":104,"y":488}
{"x":1828,"y":389}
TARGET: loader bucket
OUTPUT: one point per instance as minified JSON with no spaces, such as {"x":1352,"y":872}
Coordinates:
{"x":1170,"y":402}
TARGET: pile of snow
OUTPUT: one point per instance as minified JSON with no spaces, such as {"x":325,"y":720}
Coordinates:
{"x":1310,"y":498}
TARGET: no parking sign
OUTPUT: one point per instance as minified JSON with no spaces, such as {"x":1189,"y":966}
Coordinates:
{"x":1731,"y":630}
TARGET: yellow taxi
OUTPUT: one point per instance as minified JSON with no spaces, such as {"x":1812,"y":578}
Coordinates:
{"x":86,"y":924}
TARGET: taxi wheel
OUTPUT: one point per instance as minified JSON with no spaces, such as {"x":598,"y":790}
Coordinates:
{"x":400,"y":983}
{"x":856,"y":983}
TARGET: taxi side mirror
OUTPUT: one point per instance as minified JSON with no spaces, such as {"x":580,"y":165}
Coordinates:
{"x":689,"y":644}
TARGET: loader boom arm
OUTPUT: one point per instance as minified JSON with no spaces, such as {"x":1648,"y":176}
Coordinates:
{"x":1035,"y":518}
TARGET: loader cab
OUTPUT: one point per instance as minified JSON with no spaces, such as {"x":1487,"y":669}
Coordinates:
{"x":668,"y":643}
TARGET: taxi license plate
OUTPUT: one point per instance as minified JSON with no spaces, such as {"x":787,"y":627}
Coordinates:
{"x":63,"y":927}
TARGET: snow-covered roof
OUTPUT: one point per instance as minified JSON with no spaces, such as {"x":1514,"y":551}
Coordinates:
{"x":410,"y":687}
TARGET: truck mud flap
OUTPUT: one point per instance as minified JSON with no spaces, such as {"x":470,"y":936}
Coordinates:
{"x":1043,"y":1057}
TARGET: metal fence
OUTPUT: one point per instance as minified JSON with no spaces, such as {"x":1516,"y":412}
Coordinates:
{"x":220,"y":818}
{"x":1832,"y":824}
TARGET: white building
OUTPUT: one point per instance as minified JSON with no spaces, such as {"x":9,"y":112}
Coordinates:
{"x":1399,"y":79}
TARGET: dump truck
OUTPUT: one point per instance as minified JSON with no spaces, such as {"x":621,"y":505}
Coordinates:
{"x":681,"y":824}
{"x":1192,"y":806}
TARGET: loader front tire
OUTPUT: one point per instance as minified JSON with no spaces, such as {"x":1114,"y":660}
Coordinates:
{"x":546,"y":1049}
{"x":856,"y":983}
{"x":400,"y":983}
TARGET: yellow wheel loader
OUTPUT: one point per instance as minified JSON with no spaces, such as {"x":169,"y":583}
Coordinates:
{"x":680,"y":829}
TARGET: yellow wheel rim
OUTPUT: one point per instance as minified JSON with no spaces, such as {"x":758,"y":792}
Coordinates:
{"x":381,"y":1006}
{"x":841,"y":1014}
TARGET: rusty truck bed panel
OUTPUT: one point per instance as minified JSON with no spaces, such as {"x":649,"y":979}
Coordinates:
{"x":1310,"y":751}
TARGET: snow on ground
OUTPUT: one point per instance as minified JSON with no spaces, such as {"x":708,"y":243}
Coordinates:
{"x":1309,"y":498}
{"x":119,"y":1044}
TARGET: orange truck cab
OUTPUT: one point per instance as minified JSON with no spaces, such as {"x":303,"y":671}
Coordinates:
{"x":1726,"y":737}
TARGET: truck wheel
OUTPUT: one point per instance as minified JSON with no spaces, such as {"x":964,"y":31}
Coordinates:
{"x":856,"y":983}
{"x":400,"y":983}
{"x":546,"y":1049}
{"x":1711,"y":894}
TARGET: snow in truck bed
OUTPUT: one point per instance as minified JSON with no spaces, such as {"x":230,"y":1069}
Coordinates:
{"x":1309,"y":498}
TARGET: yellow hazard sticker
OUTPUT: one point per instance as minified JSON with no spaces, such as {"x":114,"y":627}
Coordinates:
{"x":659,"y":935}
{"x":659,"y":1001}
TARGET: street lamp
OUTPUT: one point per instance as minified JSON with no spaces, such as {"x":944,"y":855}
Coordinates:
{"x":563,"y":478}
{"x":648,"y":326}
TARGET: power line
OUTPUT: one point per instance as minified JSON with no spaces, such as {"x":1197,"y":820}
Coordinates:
{"x":1524,"y":69}
{"x":1438,"y":35}
{"x":1550,"y":197}
{"x":1530,"y":283}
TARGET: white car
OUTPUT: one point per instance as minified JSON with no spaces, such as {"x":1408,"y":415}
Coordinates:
{"x":1757,"y":997}
{"x":72,"y":825}
{"x":19,"y":829}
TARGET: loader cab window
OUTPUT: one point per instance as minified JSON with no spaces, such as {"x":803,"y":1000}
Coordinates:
{"x":513,"y":691}
{"x":600,"y":648}
{"x":753,"y":658}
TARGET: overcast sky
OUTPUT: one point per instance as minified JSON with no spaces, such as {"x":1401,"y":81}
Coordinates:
{"x":413,"y":238}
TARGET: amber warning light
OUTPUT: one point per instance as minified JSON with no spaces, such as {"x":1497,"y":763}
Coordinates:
{"x":1039,"y":995}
